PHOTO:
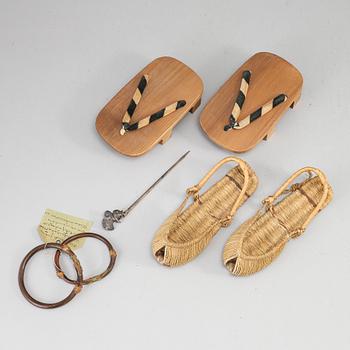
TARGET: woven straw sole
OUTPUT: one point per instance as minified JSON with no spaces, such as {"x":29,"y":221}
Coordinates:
{"x":258,"y":241}
{"x":185,"y":234}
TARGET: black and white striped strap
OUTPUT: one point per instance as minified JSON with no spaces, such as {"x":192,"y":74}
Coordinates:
{"x":135,"y":99}
{"x":126,"y":120}
{"x":243,"y":90}
{"x":267,"y":107}
{"x":155,"y":116}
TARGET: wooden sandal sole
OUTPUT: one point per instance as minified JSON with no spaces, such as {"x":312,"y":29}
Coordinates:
{"x":168,"y":81}
{"x":270,"y":76}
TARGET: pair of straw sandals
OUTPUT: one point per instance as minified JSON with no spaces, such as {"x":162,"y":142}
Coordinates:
{"x":244,"y":111}
{"x":259,"y":240}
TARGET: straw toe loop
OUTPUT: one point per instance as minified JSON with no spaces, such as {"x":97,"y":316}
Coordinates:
{"x":292,"y":188}
{"x":267,"y":202}
{"x":226,"y":221}
{"x":194,"y":192}
{"x":296,"y":233}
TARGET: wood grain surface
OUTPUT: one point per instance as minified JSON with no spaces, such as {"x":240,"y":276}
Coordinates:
{"x":169,"y":80}
{"x":270,"y":76}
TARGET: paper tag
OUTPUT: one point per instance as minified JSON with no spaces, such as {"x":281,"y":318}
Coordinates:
{"x":56,"y":227}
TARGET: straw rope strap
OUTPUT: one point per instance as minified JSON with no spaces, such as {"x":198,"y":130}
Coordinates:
{"x":241,"y":97}
{"x":188,"y":231}
{"x":194,"y":191}
{"x":262,"y":238}
{"x":126,"y":120}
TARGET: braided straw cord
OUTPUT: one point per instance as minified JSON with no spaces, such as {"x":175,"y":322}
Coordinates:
{"x":258,"y":241}
{"x":188,"y":231}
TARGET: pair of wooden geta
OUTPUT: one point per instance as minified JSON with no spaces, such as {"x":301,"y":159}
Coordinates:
{"x":170,"y":83}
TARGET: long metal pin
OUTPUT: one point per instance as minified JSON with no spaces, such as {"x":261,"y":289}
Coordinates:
{"x":117,"y":215}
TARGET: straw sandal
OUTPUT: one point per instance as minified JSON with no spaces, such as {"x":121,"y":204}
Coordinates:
{"x":258,"y":241}
{"x":145,"y":111}
{"x":188,"y":231}
{"x":246,"y":109}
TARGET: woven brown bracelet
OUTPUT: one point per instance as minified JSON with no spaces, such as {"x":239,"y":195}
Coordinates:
{"x":112,"y":254}
{"x":78,"y":283}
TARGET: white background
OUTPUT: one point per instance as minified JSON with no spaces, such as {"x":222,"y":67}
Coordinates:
{"x":60,"y":63}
